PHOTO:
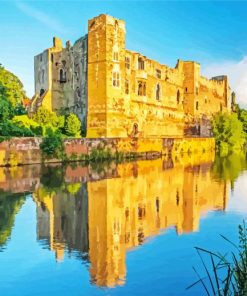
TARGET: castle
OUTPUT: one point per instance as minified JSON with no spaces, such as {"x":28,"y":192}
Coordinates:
{"x":116,"y":92}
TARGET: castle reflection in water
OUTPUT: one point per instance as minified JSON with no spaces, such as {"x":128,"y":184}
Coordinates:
{"x":100,"y":213}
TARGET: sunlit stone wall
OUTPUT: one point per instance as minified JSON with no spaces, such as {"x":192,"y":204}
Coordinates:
{"x":18,"y":151}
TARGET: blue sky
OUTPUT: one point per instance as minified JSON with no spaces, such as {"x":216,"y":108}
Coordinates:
{"x":212,"y":33}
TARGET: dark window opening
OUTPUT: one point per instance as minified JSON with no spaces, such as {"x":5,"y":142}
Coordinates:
{"x":197,"y":105}
{"x":158,"y":73}
{"x":126,"y":87}
{"x":140,"y":63}
{"x":42,"y":91}
{"x":157,"y":92}
{"x":178,"y":97}
{"x":62,"y":76}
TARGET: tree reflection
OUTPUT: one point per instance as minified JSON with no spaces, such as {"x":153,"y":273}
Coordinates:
{"x":10,"y":204}
{"x":230,"y":167}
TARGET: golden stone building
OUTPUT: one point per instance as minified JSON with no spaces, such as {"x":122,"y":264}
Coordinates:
{"x":120,"y":93}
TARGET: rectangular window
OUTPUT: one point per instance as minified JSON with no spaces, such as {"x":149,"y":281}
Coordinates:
{"x":127,"y":87}
{"x":115,"y":56}
{"x":141,"y":64}
{"x":115,"y":79}
{"x":158,"y":73}
{"x":127,"y":62}
{"x":141,"y":88}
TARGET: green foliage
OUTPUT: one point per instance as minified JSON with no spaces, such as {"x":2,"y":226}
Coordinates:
{"x":44,"y":117}
{"x":228,"y":132}
{"x":52,"y":144}
{"x":8,"y":128}
{"x":242,"y":115}
{"x":225,"y":275}
{"x":72,"y":126}
{"x":6,"y":109}
{"x":11,"y":87}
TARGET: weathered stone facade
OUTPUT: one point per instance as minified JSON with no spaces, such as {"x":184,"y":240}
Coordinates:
{"x":120,"y":93}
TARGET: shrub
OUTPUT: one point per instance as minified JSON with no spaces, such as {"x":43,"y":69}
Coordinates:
{"x":72,"y":126}
{"x":52,"y":144}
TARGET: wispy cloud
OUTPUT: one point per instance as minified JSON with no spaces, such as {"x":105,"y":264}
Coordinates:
{"x":237,"y":73}
{"x":40,"y":16}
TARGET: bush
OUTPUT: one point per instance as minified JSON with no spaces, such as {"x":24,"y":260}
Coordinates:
{"x":72,"y":126}
{"x":52,"y":144}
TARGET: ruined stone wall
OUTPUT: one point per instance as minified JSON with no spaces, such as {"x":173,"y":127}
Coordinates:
{"x":61,"y":78}
{"x":119,"y":93}
{"x":204,"y":97}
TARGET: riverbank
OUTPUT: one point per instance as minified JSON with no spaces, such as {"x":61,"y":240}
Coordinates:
{"x":21,"y":151}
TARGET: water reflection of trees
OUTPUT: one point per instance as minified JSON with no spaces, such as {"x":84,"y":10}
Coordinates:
{"x":10,"y":204}
{"x":230,"y":167}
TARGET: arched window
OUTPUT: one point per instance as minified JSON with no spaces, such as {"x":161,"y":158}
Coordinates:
{"x":157,"y":93}
{"x":140,"y":63}
{"x":62,"y":75}
{"x":178,"y":97}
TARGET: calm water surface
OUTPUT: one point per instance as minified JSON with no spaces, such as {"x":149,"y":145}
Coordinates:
{"x":126,"y":229}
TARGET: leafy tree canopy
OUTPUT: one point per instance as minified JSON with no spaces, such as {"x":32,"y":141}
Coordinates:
{"x":228,"y":131}
{"x":11,"y":87}
{"x":44,"y":117}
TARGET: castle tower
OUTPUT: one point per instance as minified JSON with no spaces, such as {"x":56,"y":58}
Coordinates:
{"x":106,"y":56}
{"x":191,"y":88}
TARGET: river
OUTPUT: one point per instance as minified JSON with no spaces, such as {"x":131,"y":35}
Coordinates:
{"x":117,"y":229}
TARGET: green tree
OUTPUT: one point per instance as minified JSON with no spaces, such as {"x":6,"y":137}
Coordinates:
{"x":72,"y":126}
{"x":45,"y":117}
{"x":228,"y":132}
{"x":12,"y":87}
{"x":242,"y":115}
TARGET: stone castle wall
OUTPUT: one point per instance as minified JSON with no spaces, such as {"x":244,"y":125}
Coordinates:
{"x":117,"y":92}
{"x":20,"y":151}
